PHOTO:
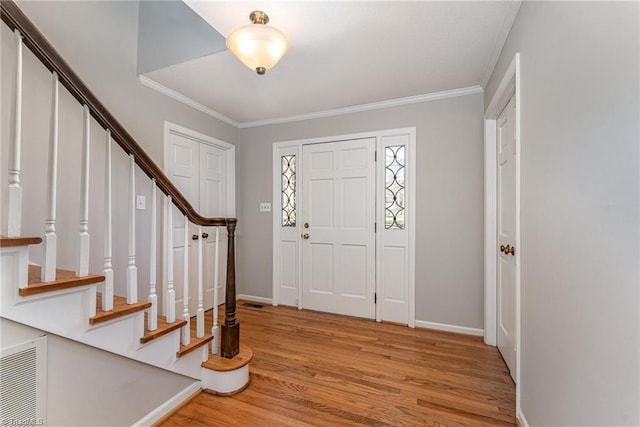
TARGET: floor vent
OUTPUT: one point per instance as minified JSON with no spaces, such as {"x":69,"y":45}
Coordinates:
{"x":23,"y":383}
{"x":252,"y":305}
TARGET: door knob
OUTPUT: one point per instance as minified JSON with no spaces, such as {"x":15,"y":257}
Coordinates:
{"x":205,"y":235}
{"x":305,"y":236}
{"x":510,"y":250}
{"x":502,"y":249}
{"x":194,"y":237}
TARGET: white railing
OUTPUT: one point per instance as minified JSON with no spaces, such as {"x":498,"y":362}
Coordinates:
{"x":82,"y":268}
{"x":50,"y":238}
{"x":152,"y":323}
{"x":186,"y":329}
{"x":14,"y":215}
{"x":107,"y":288}
{"x":132,"y":269}
{"x":82,"y":261}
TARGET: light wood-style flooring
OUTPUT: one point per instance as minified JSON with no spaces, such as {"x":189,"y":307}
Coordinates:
{"x":316,"y":369}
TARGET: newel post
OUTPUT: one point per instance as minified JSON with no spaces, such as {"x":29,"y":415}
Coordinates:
{"x":230,"y":333}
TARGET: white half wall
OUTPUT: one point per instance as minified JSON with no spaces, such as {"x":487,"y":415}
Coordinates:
{"x":87,"y":386}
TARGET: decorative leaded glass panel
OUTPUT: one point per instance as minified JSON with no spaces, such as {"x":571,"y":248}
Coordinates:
{"x":288,"y":187}
{"x":394,"y":187}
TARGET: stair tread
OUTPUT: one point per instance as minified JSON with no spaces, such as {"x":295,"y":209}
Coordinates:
{"x":6,"y":242}
{"x":222,"y":364}
{"x":120,"y":309}
{"x":194,"y":342}
{"x":64,"y":279}
{"x":163,"y":328}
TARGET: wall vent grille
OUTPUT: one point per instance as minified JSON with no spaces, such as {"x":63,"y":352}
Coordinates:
{"x":22,"y":383}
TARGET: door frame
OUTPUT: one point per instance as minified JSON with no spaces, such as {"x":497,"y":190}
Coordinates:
{"x":509,"y":87}
{"x":295,"y":147}
{"x":230,"y":149}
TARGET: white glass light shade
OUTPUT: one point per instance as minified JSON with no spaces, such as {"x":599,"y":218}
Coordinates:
{"x":258,"y":46}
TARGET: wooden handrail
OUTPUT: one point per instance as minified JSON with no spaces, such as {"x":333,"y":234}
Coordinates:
{"x":13,"y":17}
{"x":38,"y":44}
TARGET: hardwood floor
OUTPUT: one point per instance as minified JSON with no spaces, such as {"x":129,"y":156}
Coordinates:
{"x":316,"y":369}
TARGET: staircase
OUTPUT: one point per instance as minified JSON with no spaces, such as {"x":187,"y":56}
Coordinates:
{"x":96,"y":303}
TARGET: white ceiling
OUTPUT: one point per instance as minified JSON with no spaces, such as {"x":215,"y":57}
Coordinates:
{"x":344,"y":54}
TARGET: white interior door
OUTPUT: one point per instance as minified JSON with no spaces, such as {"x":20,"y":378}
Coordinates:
{"x":506,"y":236}
{"x":213,"y":203}
{"x":200,"y":172}
{"x":338,"y":246}
{"x":184,"y":171}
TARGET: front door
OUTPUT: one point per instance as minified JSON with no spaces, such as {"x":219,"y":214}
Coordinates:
{"x":199,"y":172}
{"x":338,"y":246}
{"x":506,"y":236}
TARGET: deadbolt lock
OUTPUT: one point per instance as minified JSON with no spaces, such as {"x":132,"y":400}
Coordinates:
{"x":306,"y":225}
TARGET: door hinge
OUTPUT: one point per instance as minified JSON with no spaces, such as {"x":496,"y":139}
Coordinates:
{"x":375,"y":297}
{"x":375,"y":156}
{"x":375,"y":227}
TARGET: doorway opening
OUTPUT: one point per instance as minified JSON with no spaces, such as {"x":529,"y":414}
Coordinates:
{"x":343,"y":224}
{"x":203,"y":169}
{"x":502,"y":222}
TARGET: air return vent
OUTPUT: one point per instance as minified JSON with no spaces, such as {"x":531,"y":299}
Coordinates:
{"x":23,"y":383}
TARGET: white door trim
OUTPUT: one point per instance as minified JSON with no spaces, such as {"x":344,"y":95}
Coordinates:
{"x":295,"y":147}
{"x":509,"y":87}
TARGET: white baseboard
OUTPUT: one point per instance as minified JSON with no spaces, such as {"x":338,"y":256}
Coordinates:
{"x":254,"y":298}
{"x":520,"y":417}
{"x":449,"y":328}
{"x":168,"y":406}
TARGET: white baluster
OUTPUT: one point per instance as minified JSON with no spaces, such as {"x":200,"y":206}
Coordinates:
{"x":216,"y":275}
{"x":152,"y":320}
{"x":82,"y":269}
{"x":132,"y":270}
{"x":50,"y":238}
{"x":200,"y":312}
{"x":170,"y":309}
{"x":186,"y":329}
{"x":107,"y":291}
{"x":15,"y":189}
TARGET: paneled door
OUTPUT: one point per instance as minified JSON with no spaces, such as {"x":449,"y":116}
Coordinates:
{"x":199,"y":171}
{"x":506,"y":236}
{"x":338,"y":231}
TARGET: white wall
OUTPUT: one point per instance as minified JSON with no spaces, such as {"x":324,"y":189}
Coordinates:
{"x":99,"y":41}
{"x":580,"y":199}
{"x":449,"y":232}
{"x":87,"y":386}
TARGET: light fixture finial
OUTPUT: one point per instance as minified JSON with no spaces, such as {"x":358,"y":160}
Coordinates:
{"x":259,"y":17}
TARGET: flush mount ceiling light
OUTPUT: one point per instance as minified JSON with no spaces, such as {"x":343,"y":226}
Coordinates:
{"x":257,"y":45}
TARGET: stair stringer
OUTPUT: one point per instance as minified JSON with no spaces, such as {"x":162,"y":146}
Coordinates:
{"x":66,"y":313}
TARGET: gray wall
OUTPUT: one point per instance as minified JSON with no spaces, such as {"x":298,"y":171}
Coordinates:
{"x":99,"y":41}
{"x":580,"y":226}
{"x":449,"y":232}
{"x":81,"y":391}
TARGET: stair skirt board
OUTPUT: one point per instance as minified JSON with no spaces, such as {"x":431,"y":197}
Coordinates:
{"x":170,"y":406}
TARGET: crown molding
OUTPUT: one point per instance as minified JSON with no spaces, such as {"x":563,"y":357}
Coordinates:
{"x":501,"y":39}
{"x":366,"y":107}
{"x":152,"y":84}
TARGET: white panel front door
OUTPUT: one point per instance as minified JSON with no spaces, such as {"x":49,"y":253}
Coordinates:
{"x":506,"y":236}
{"x":338,"y":266}
{"x":200,"y":172}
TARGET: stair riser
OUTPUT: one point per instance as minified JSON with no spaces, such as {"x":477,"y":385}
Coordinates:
{"x":66,"y":313}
